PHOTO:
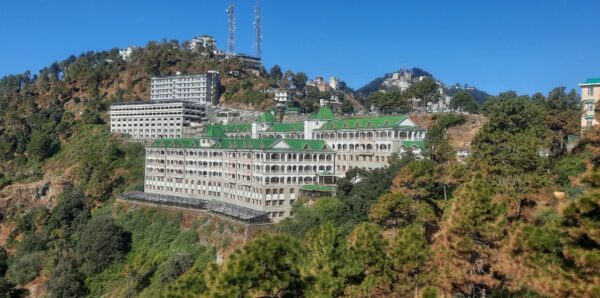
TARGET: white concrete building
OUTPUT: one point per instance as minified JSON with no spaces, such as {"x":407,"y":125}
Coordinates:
{"x":155,"y":120}
{"x":126,"y":53}
{"x":282,"y":96}
{"x":399,"y":80}
{"x":246,"y":178}
{"x":366,"y":142}
{"x":334,"y":83}
{"x":203,"y":42}
{"x":200,"y":88}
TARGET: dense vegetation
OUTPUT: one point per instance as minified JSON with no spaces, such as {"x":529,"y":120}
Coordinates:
{"x":488,"y":226}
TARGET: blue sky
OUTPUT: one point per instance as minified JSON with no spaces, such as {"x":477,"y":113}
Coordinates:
{"x":527,"y":46}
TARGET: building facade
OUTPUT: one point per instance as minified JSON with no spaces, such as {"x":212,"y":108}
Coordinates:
{"x":155,"y":120}
{"x":263,"y":175}
{"x":590,"y":98}
{"x":200,"y":88}
{"x":367,"y":142}
{"x":370,"y":142}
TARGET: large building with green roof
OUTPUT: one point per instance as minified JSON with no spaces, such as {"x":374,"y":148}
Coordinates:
{"x":245,"y":178}
{"x":363,"y":142}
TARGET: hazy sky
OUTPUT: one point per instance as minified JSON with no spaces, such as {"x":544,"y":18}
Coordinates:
{"x":527,"y":46}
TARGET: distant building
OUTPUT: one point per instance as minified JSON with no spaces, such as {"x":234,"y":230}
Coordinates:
{"x":155,"y":120}
{"x":203,"y":42}
{"x":590,"y":96}
{"x":334,"y":83}
{"x":126,"y":53}
{"x":399,"y":80}
{"x":282,"y":96}
{"x":199,"y":88}
{"x":333,"y":102}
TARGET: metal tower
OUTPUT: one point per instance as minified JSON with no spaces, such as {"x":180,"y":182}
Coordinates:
{"x":257,"y":41}
{"x":231,"y":42}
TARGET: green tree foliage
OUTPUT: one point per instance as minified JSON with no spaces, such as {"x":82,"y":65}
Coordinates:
{"x":395,"y":210}
{"x":100,"y":243}
{"x":462,"y":101}
{"x":425,"y":90}
{"x":347,"y":107}
{"x":42,"y":146}
{"x":275,"y":72}
{"x":65,"y":280}
{"x":325,"y":261}
{"x":299,"y":80}
{"x":563,"y":117}
{"x":509,"y":147}
{"x":266,"y":266}
{"x":582,"y":219}
{"x":390,"y":102}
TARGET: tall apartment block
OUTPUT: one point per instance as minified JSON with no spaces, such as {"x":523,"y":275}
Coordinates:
{"x":200,"y":88}
{"x":145,"y":120}
{"x":590,"y":98}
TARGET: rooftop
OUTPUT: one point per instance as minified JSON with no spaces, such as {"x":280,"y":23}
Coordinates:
{"x":591,"y":81}
{"x":318,"y":187}
{"x":368,"y":122}
{"x":248,"y":144}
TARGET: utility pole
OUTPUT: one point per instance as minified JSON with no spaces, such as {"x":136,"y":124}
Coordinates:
{"x":258,"y":36}
{"x":231,"y":17}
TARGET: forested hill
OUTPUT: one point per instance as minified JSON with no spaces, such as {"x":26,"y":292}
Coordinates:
{"x":518,"y":218}
{"x":373,"y":86}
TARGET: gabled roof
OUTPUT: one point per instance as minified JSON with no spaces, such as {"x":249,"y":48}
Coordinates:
{"x":410,"y":144}
{"x":266,"y":117}
{"x":312,"y":145}
{"x":273,"y":144}
{"x":215,"y":132}
{"x":177,"y":143}
{"x":253,"y":144}
{"x":324,"y":113}
{"x":287,"y":127}
{"x":233,"y":128}
{"x":364,"y":123}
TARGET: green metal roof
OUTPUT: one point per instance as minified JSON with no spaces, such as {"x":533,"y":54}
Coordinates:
{"x":253,"y":144}
{"x":324,"y":113}
{"x":214,"y":131}
{"x":320,"y":188}
{"x":268,"y":143}
{"x":266,"y":117}
{"x":326,"y":173}
{"x":418,"y":144}
{"x":362,"y":123}
{"x":287,"y":127}
{"x":177,"y":143}
{"x":592,"y":81}
{"x":233,"y":128}
{"x":301,"y":144}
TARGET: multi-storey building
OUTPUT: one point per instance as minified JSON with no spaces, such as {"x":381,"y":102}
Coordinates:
{"x":367,"y":142}
{"x":590,"y":98}
{"x":203,"y":42}
{"x":247,"y":177}
{"x":200,"y":88}
{"x":155,"y":120}
{"x":282,"y":96}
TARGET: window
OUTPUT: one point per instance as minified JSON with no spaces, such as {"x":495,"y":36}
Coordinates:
{"x":590,"y":107}
{"x":590,"y":91}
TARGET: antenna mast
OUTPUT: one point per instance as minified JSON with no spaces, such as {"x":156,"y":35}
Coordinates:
{"x":231,"y":42}
{"x":258,"y":37}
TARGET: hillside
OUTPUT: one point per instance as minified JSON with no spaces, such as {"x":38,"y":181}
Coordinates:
{"x":505,"y":222}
